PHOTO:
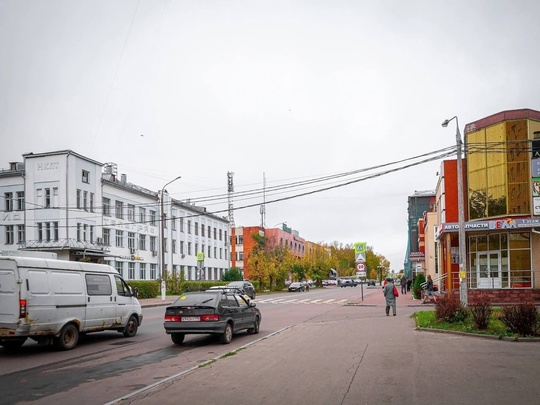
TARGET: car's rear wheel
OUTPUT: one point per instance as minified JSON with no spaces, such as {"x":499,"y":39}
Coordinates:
{"x":256,"y":325}
{"x":226,"y":336}
{"x":177,"y":338}
{"x":68,"y":338}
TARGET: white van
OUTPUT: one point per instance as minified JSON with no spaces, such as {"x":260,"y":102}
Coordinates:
{"x":53,"y":301}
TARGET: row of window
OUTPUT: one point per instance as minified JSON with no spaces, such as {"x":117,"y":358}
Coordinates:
{"x":149,"y":271}
{"x":175,"y":223}
{"x":85,"y":200}
{"x":14,"y":201}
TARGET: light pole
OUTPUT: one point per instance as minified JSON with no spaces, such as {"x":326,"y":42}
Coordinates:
{"x":463,"y":293}
{"x":162,"y":244}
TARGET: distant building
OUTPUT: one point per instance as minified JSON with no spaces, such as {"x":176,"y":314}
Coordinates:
{"x":243,"y":242}
{"x":418,"y":204}
{"x":78,"y":208}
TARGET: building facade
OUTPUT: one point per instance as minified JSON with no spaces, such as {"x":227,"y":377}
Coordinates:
{"x":243,"y":241}
{"x":80,"y":209}
{"x":502,"y":226}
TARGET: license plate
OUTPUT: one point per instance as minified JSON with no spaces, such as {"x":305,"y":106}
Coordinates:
{"x":191,"y":318}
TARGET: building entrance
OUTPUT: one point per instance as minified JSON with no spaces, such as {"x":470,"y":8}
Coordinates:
{"x":488,"y":269}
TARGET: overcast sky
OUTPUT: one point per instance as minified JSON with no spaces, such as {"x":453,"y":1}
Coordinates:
{"x":289,"y":91}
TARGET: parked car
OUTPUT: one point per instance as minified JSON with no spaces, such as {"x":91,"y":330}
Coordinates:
{"x":245,"y":286}
{"x":296,"y":286}
{"x":348,"y":283}
{"x":217,"y":312}
{"x":371,"y":282}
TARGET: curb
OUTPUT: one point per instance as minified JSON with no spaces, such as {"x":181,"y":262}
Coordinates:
{"x":478,"y":335}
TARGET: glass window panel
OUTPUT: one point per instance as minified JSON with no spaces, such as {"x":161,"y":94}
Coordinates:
{"x":494,"y":242}
{"x":520,"y":241}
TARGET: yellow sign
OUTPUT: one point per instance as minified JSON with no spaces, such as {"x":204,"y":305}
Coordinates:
{"x":200,"y":256}
{"x":462,"y":274}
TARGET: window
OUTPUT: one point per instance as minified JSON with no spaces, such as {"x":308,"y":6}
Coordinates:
{"x":189,"y":226}
{"x":239,"y":239}
{"x":21,"y":234}
{"x":10,"y":237}
{"x":215,"y":252}
{"x":78,"y":232}
{"x":106,"y":236}
{"x":20,"y":200}
{"x":97,"y":284}
{"x":39,"y":197}
{"x":131,"y":240}
{"x":119,"y":209}
{"x":164,"y":219}
{"x":55,"y":202}
{"x":85,"y":176}
{"x":165,"y":245}
{"x":47,"y":198}
{"x":202,"y":230}
{"x":8,"y":198}
{"x":85,"y":200}
{"x":196,"y":228}
{"x":91,"y":233}
{"x":210,"y":231}
{"x":153,"y":243}
{"x":119,"y":266}
{"x":182,"y":247}
{"x":189,"y":248}
{"x":107,"y":207}
{"x":220,"y":238}
{"x":142,"y":271}
{"x":40,"y":231}
{"x":48,"y":231}
{"x":91,"y":202}
{"x":85,"y":230}
{"x":215,"y":233}
{"x":142,"y":242}
{"x":131,"y":270}
{"x":153,"y":218}
{"x":181,"y":224}
{"x":209,"y":252}
{"x":142,"y":215}
{"x":119,"y":238}
{"x":131,"y":212}
{"x":173,"y":244}
{"x":173,"y":223}
{"x":153,"y":271}
{"x":79,"y":199}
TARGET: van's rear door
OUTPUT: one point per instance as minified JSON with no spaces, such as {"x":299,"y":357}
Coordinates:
{"x":9,"y":296}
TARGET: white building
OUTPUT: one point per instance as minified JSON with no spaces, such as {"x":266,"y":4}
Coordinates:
{"x":76,"y":207}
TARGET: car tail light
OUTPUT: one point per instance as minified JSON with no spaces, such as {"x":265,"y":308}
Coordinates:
{"x":172,"y":318}
{"x":209,"y":318}
{"x":22,"y":308}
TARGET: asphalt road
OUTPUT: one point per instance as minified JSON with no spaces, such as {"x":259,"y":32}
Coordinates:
{"x":312,"y":349}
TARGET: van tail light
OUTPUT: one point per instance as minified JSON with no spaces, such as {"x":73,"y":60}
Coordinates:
{"x":210,"y":318}
{"x":22,"y":308}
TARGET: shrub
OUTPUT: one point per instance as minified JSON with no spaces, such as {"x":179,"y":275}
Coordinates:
{"x":481,"y":311}
{"x":147,"y":289}
{"x":521,"y":319}
{"x":448,"y":308}
{"x":417,"y":289}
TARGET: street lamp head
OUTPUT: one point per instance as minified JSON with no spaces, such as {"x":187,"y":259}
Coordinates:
{"x":445,"y":123}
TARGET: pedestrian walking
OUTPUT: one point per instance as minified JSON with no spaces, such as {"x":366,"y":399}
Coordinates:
{"x":428,"y":295}
{"x":409,"y":284}
{"x":390,"y":297}
{"x":404,"y":285}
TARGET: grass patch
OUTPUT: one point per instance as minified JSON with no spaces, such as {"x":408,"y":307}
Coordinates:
{"x":426,"y":319}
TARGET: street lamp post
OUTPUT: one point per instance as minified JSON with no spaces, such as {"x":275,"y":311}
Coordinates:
{"x":162,"y":244}
{"x":463,"y":293}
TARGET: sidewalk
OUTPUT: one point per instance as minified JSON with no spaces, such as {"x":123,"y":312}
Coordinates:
{"x":355,"y":354}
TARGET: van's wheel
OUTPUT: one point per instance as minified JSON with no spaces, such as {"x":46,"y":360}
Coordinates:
{"x":12,"y":344}
{"x":131,"y":327}
{"x":255,"y":329}
{"x":226,"y":337}
{"x":177,"y":338}
{"x":68,"y":338}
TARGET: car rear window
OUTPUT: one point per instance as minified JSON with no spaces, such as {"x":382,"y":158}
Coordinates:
{"x":195,"y":299}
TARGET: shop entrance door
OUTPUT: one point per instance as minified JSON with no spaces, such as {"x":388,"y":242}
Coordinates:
{"x":488,"y":269}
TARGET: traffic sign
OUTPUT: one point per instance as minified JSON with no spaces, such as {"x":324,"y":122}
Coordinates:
{"x":200,"y":256}
{"x":360,"y":267}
